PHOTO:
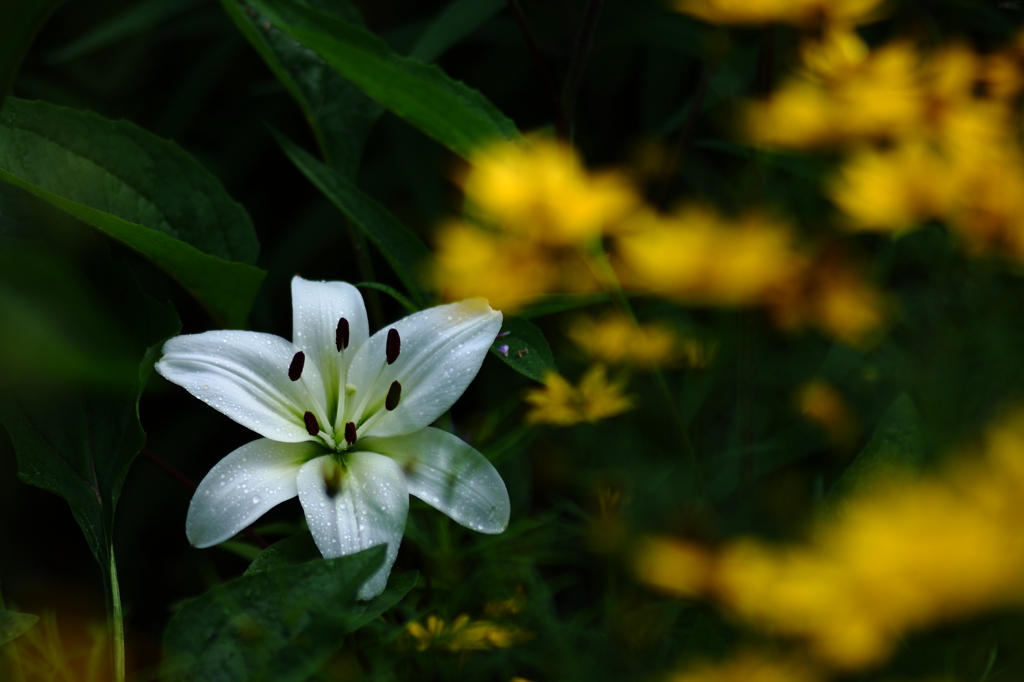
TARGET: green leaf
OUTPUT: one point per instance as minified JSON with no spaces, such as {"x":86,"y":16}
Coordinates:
{"x":14,"y":625}
{"x":56,"y":330}
{"x":78,"y":443}
{"x":20,"y":21}
{"x":898,"y":445}
{"x":560,"y":303}
{"x":340,"y":115}
{"x":402,"y":249}
{"x":141,"y":190}
{"x":296,"y":549}
{"x":458,"y":117}
{"x":279,"y":624}
{"x":131,"y":21}
{"x":527,"y":350}
{"x":457,"y":21}
{"x":409,"y":306}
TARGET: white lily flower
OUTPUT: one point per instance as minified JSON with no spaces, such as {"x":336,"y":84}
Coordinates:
{"x":345,"y":422}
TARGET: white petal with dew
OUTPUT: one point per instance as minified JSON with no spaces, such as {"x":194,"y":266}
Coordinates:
{"x":449,"y":475}
{"x":245,"y":376}
{"x":442,"y":349}
{"x":243,"y":486}
{"x":316,"y":309}
{"x":369,"y":508}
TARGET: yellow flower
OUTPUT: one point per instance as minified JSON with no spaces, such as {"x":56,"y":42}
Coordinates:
{"x":748,"y":667}
{"x":899,"y":554}
{"x":696,"y":256}
{"x":615,"y":339}
{"x":800,"y":12}
{"x":680,"y":568}
{"x":562,"y":404}
{"x":821,"y":403}
{"x":543,"y":193}
{"x":894,"y":190}
{"x":464,"y":634}
{"x":849,"y":99}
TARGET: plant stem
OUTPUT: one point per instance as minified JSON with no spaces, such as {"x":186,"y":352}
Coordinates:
{"x":561,"y":121}
{"x":115,"y":619}
{"x":598,"y":262}
{"x":580,"y":53}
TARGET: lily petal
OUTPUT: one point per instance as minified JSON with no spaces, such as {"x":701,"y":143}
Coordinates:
{"x":316,"y":309}
{"x":368,"y":508}
{"x":243,"y":486}
{"x":442,"y":349}
{"x":245,"y":376}
{"x":449,"y":475}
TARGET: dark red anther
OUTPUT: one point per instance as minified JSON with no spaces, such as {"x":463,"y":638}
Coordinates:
{"x":298,"y":362}
{"x":394,"y":395}
{"x":350,"y":433}
{"x":312,"y":425}
{"x":341,"y":335}
{"x":394,"y":345}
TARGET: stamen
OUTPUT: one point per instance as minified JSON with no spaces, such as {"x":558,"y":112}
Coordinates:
{"x":394,"y":346}
{"x":312,"y":425}
{"x":350,"y":433}
{"x":394,"y":395}
{"x":341,"y":335}
{"x":298,"y":362}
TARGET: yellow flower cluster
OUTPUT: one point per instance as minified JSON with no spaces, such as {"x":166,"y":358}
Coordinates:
{"x":799,"y":12}
{"x":748,"y":667}
{"x":616,"y":340}
{"x":898,"y":555}
{"x":533,"y":207}
{"x":562,"y":404}
{"x":464,"y":634}
{"x":931,"y":134}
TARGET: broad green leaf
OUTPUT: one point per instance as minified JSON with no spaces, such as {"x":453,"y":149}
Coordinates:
{"x":458,"y":117}
{"x":340,"y":115}
{"x":20,"y":21}
{"x":14,"y":624}
{"x":898,"y":445}
{"x":141,"y":190}
{"x":402,"y":249}
{"x":279,"y":624}
{"x":524,"y":348}
{"x":133,"y":20}
{"x":56,"y":330}
{"x":78,"y":443}
{"x":458,"y":20}
{"x":296,"y":549}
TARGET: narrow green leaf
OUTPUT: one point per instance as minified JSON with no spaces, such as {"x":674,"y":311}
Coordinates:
{"x":280,"y":624}
{"x":14,"y":625}
{"x":78,"y":443}
{"x":402,"y":249}
{"x":20,"y":21}
{"x":457,"y":21}
{"x":524,"y":348}
{"x":898,"y":445}
{"x":131,"y":21}
{"x":458,"y":117}
{"x":340,"y":115}
{"x":141,"y":190}
{"x":390,"y":291}
{"x":560,"y":303}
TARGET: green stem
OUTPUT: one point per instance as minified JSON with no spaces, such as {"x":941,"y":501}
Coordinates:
{"x":598,"y":262}
{"x":115,"y":618}
{"x":580,"y":53}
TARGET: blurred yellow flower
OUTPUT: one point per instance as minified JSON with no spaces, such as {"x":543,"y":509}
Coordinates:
{"x":809,"y":13}
{"x":822,"y":404}
{"x":674,"y":566}
{"x":748,"y":667}
{"x":845,"y":97}
{"x":617,"y":340}
{"x":464,"y":634}
{"x":895,"y":189}
{"x":696,"y":256}
{"x":901,"y":554}
{"x":562,"y":404}
{"x":543,"y":193}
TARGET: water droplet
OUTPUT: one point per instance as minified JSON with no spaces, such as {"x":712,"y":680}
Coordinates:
{"x":255,"y":499}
